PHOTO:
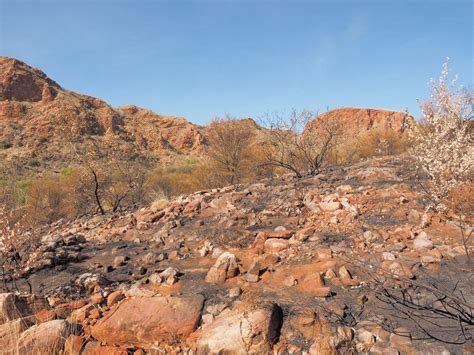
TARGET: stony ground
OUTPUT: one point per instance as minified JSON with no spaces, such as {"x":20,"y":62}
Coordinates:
{"x":336,"y":263}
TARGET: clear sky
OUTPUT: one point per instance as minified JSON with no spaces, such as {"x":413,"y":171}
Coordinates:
{"x":201,"y":59}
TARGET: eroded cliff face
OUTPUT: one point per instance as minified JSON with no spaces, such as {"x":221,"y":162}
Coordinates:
{"x":283,"y":265}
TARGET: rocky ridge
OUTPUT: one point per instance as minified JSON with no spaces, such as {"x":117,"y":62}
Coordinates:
{"x":282,"y":266}
{"x":38,"y":119}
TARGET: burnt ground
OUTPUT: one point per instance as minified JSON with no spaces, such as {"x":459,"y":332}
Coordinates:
{"x":414,"y":293}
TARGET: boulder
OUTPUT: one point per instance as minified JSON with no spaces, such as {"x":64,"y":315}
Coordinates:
{"x":275,"y":245}
{"x":225,"y":267}
{"x":372,"y":236}
{"x":330,"y":206}
{"x":346,"y":277}
{"x":387,"y":256}
{"x":422,"y":243}
{"x":45,"y":338}
{"x":73,"y":345}
{"x":145,"y":321}
{"x":332,"y":340}
{"x":314,"y":284}
{"x":10,"y":307}
{"x":114,"y":297}
{"x":94,"y":348}
{"x":242,"y":332}
{"x":304,"y":234}
{"x":10,"y":333}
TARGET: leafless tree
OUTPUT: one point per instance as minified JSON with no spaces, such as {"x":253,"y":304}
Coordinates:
{"x":108,"y":177}
{"x":297,"y":142}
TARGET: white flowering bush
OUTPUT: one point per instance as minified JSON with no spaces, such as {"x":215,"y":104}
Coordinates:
{"x":443,"y":143}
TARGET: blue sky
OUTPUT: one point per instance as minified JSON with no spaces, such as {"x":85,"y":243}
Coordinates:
{"x":201,"y":59}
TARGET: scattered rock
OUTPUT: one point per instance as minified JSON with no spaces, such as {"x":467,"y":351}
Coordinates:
{"x":114,"y":297}
{"x":274,"y":245}
{"x":253,"y":272}
{"x":314,"y":285}
{"x":330,"y":206}
{"x":372,"y":236}
{"x":119,"y":261}
{"x":170,"y":276}
{"x":235,"y":292}
{"x":225,"y":267}
{"x":388,"y":256}
{"x":290,"y":281}
{"x":413,"y":216}
{"x":396,"y":247}
{"x":73,"y":345}
{"x":422,"y":243}
{"x":97,"y":298}
{"x":346,"y":277}
{"x":303,"y":234}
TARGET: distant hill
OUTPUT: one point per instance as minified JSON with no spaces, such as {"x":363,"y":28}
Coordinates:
{"x":38,"y":118}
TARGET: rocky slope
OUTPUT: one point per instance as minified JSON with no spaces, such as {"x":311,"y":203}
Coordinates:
{"x":321,"y":265}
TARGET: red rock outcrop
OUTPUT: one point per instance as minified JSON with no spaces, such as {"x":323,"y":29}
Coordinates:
{"x":161,"y":133}
{"x":359,"y":120}
{"x":19,"y":82}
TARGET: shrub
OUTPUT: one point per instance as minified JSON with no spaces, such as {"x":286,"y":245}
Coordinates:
{"x":230,"y":150}
{"x":444,"y":150}
{"x":5,"y":144}
{"x":168,"y":181}
{"x":33,"y":162}
{"x":47,"y":201}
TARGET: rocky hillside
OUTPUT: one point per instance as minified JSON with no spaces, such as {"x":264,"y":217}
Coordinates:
{"x":38,"y":119}
{"x":336,"y":263}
